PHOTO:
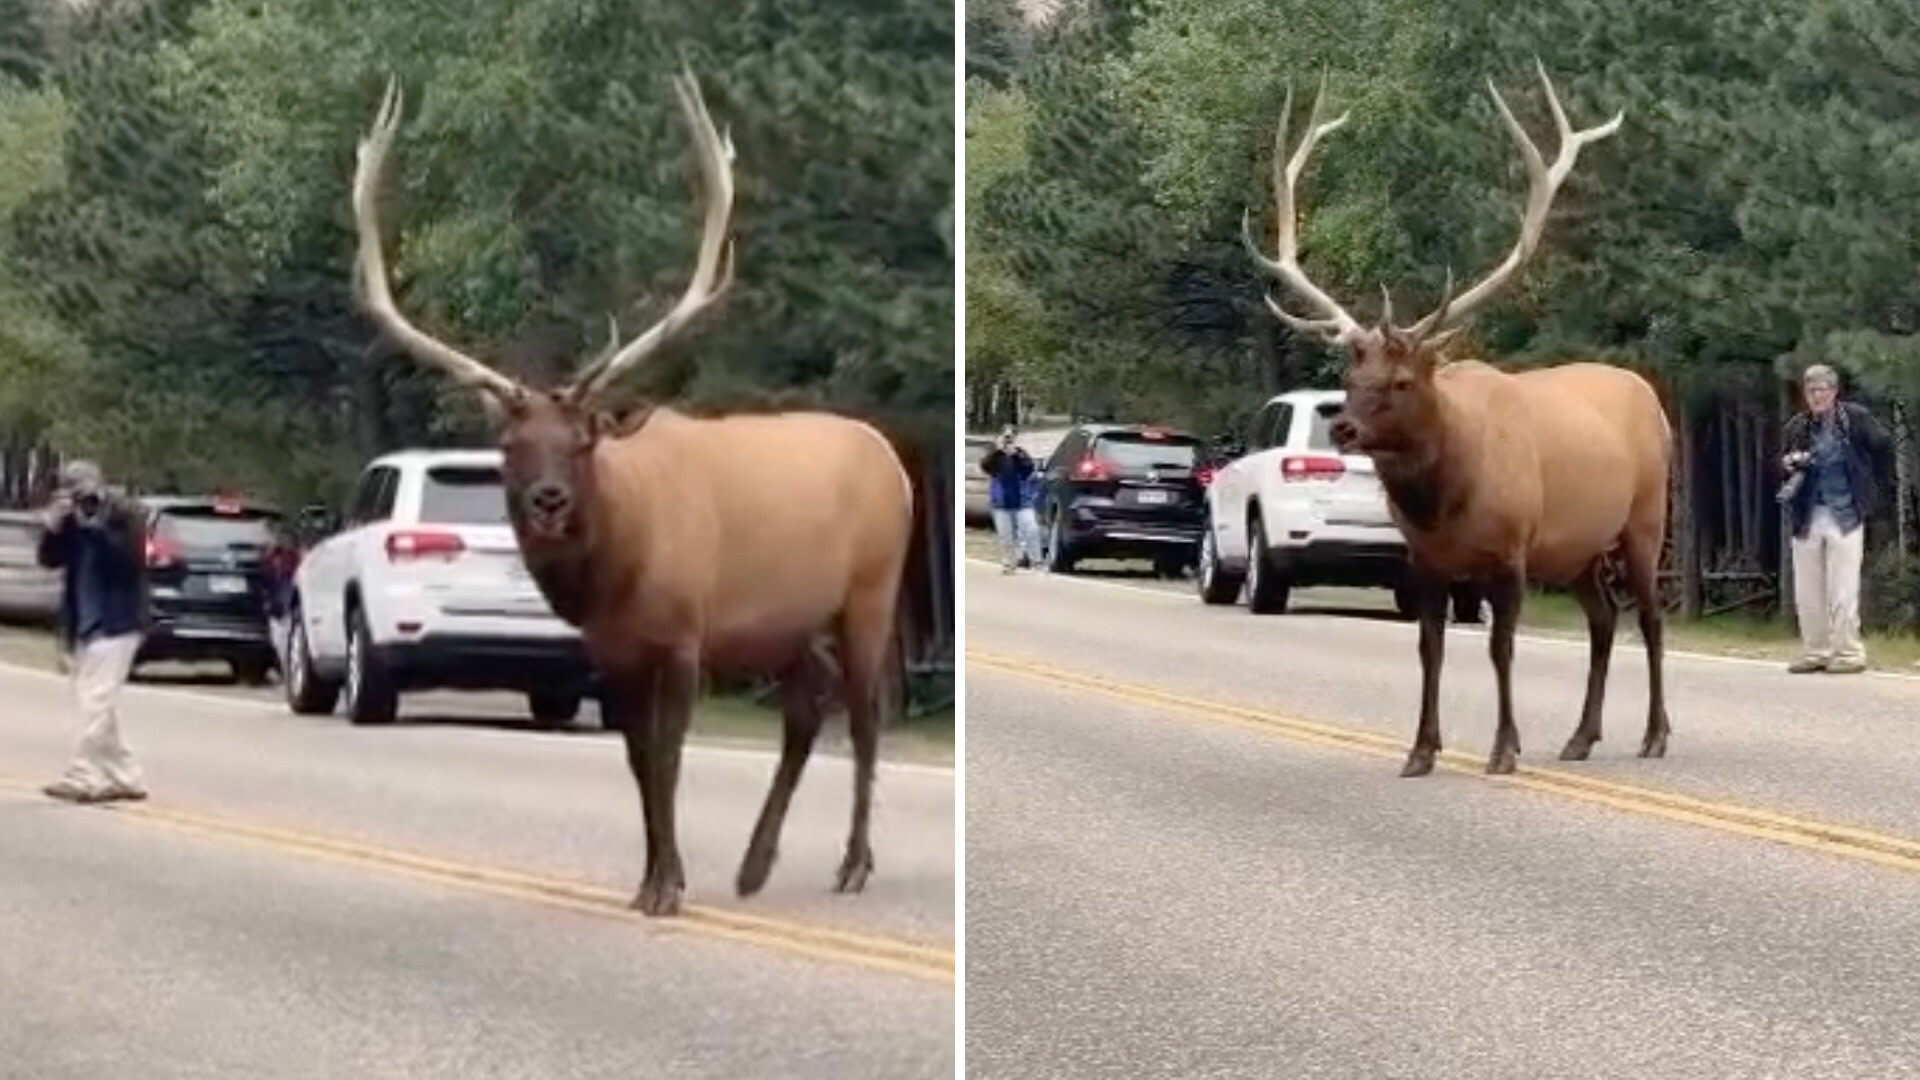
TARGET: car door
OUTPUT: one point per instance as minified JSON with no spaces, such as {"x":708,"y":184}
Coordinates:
{"x":325,"y":572}
{"x":1239,"y":482}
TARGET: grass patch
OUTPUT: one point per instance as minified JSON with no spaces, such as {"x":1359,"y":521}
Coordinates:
{"x":1733,"y":634}
{"x":716,"y":718}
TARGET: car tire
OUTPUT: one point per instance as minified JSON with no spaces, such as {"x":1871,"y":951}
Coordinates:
{"x":308,"y":692}
{"x":1060,"y":558}
{"x":1216,"y":584}
{"x":1406,"y":602}
{"x":1267,"y":587}
{"x":370,"y":693}
{"x":553,"y":708}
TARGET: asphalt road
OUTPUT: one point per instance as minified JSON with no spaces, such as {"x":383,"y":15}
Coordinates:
{"x":303,"y":898}
{"x":1189,"y":854}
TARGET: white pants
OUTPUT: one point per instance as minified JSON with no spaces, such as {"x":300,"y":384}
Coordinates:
{"x":100,"y":668}
{"x":1019,"y":532}
{"x":1826,"y":588}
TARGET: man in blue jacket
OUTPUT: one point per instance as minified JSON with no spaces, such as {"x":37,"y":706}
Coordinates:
{"x":1008,"y":468}
{"x":98,"y":541}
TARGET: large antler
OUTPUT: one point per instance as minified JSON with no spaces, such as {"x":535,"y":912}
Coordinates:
{"x":1543,"y":182}
{"x":1335,"y":323}
{"x":370,"y":272}
{"x":712,"y":274}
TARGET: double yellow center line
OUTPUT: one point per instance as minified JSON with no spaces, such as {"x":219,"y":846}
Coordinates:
{"x":1724,"y":817}
{"x":926,"y":963}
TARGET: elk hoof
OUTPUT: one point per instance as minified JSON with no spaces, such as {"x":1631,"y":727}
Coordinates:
{"x":1419,"y":763}
{"x":1577,"y":749}
{"x":658,"y":897}
{"x":1655,"y":746}
{"x":854,"y":871}
{"x":1503,"y":762}
{"x":754,"y":870}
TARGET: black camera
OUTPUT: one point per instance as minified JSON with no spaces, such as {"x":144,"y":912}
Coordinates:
{"x":1795,"y":462}
{"x":87,"y":506}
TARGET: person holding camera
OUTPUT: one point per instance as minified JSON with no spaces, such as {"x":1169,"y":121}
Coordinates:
{"x":1833,"y":451}
{"x":1009,"y":492}
{"x":99,"y":543}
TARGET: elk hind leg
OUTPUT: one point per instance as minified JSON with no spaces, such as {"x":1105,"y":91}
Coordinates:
{"x":866,"y":637}
{"x":1643,"y":577}
{"x":1602,"y":619}
{"x":800,"y":686}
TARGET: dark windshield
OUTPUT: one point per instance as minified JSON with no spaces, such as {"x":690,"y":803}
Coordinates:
{"x":463,"y":495}
{"x":207,"y":528}
{"x":1139,"y":450}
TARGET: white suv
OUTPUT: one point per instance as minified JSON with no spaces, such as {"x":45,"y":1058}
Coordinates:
{"x":1295,"y":511}
{"x":423,"y":587}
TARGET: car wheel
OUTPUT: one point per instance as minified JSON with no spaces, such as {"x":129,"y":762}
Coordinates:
{"x":1059,"y":555}
{"x":552,"y":708}
{"x":308,"y":694}
{"x":1215,"y":584}
{"x":1406,"y":601}
{"x":371,"y":698}
{"x":1267,"y":588}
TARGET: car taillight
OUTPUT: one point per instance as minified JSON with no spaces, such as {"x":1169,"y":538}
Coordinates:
{"x":418,"y":544}
{"x":1204,"y":474}
{"x":1311,"y":467}
{"x":160,"y":553}
{"x":1091,"y":468}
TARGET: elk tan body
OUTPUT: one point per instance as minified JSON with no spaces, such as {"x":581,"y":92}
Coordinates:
{"x":733,"y":534}
{"x":681,"y":545}
{"x":1555,"y":464}
{"x":1499,"y":478}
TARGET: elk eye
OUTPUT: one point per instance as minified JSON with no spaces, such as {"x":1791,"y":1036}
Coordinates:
{"x":1402,"y":385}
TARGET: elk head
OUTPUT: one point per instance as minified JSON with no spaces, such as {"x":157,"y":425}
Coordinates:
{"x":1392,"y":406}
{"x":547,"y":437}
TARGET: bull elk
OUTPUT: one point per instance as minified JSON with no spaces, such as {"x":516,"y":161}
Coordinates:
{"x":1496,"y":477}
{"x":679,"y":545}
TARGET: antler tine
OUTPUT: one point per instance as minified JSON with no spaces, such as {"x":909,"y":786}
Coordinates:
{"x":370,"y":269}
{"x":713,"y":272}
{"x":1543,"y":183}
{"x":1335,"y":323}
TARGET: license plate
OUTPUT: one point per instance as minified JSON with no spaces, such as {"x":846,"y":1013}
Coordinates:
{"x":226,"y":585}
{"x":1153,"y":497}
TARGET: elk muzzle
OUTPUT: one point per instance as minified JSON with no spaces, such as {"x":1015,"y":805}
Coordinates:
{"x":1344,"y":433}
{"x":548,"y":505}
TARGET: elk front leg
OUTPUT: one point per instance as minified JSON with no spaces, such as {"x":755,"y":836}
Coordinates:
{"x":1433,"y":595}
{"x":631,"y":702}
{"x":1504,"y":593}
{"x":1592,"y":592}
{"x":800,"y":687}
{"x":677,"y":676}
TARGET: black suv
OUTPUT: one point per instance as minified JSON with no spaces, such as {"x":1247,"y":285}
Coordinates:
{"x":210,"y":572}
{"x":1120,"y":491}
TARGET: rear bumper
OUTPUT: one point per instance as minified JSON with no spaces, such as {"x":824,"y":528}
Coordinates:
{"x":1096,"y":535}
{"x":1366,"y":563}
{"x":191,"y":637}
{"x":451,"y":661}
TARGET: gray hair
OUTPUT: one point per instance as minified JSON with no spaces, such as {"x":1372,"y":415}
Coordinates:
{"x":82,"y":475}
{"x":1820,"y":375}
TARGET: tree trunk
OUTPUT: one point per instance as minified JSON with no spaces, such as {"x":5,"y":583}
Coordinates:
{"x":1686,"y":524}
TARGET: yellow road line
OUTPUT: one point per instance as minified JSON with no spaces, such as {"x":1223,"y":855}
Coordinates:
{"x":924,"y":962}
{"x":1855,"y":843}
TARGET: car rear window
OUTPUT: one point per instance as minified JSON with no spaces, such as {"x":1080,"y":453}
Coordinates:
{"x":201,"y":528}
{"x":1318,"y":438}
{"x":1141,"y":450}
{"x":463,"y":495}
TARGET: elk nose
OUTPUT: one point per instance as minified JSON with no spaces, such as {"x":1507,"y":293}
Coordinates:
{"x":549,"y":499}
{"x":1343,"y":431}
